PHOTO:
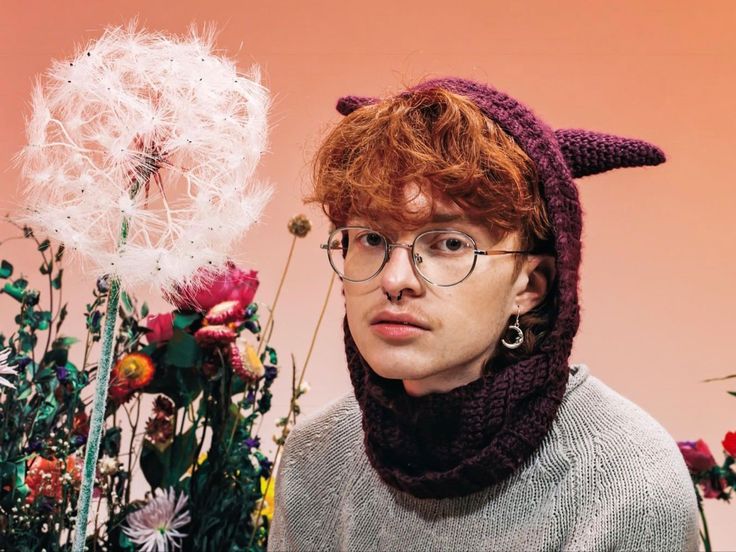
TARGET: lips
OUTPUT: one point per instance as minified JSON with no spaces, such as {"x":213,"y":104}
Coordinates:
{"x":403,"y":319}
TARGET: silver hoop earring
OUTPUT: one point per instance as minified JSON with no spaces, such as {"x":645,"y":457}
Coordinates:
{"x":519,"y":333}
{"x":398,"y":297}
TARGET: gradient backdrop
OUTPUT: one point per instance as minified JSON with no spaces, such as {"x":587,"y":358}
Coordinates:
{"x":659,"y":261}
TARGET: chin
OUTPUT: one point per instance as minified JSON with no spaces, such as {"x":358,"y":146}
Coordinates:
{"x":399,"y":371}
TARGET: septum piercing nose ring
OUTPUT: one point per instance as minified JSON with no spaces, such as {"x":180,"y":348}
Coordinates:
{"x":398,"y":297}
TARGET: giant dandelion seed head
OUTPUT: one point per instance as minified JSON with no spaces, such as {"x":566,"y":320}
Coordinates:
{"x":154,"y":132}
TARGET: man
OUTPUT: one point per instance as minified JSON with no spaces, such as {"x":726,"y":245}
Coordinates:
{"x":457,"y":238}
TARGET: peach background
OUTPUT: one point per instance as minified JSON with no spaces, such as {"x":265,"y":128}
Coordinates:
{"x":657,"y":277}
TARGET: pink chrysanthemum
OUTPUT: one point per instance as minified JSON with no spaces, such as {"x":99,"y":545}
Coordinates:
{"x":155,"y":527}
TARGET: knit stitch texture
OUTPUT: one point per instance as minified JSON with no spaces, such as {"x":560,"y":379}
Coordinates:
{"x":606,"y":477}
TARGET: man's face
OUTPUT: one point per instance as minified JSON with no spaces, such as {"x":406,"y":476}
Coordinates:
{"x":459,"y":325}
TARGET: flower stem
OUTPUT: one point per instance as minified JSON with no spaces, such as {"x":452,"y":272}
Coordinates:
{"x":278,"y":292}
{"x":704,"y":534}
{"x":97,"y":419}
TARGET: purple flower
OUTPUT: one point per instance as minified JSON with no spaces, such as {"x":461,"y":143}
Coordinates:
{"x":252,"y":442}
{"x":62,"y":374}
{"x":270,"y":373}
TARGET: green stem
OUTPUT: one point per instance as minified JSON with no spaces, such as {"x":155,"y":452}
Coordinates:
{"x":97,"y":419}
{"x":704,"y":535}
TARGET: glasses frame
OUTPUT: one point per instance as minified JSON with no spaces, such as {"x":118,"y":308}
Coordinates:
{"x":390,"y":246}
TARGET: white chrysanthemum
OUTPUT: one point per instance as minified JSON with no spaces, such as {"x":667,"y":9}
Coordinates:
{"x":6,"y":370}
{"x":155,"y":527}
{"x":155,"y":130}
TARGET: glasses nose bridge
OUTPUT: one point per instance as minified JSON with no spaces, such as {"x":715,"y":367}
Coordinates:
{"x":413,"y":257}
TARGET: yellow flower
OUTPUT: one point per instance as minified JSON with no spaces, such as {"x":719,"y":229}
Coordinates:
{"x":268,"y":502}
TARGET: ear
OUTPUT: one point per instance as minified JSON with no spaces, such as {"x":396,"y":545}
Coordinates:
{"x":540,"y":271}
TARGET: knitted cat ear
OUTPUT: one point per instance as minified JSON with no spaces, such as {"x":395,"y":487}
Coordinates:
{"x":347,"y":104}
{"x":587,"y":152}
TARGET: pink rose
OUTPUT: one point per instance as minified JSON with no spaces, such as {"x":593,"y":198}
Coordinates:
{"x":232,"y":285}
{"x":697,"y":456}
{"x":161,"y":326}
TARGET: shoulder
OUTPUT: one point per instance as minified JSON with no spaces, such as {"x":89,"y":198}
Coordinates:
{"x":629,"y":467}
{"x":335,"y":426}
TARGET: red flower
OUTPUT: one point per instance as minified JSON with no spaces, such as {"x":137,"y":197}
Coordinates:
{"x":232,"y":285}
{"x":697,"y":456}
{"x":225,"y":313}
{"x":729,"y":444}
{"x":215,"y":335}
{"x":713,"y":488}
{"x":44,"y":476}
{"x":161,"y":326}
{"x":80,"y":424}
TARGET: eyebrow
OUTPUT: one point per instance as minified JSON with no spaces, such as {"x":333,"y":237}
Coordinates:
{"x":447,"y":217}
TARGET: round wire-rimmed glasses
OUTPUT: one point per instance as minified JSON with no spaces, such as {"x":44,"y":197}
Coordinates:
{"x":442,"y":257}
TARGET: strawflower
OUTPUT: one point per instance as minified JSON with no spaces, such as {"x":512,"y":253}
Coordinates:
{"x":215,"y":335}
{"x":226,"y":312}
{"x":245,"y":362}
{"x":155,"y":527}
{"x":134,"y":371}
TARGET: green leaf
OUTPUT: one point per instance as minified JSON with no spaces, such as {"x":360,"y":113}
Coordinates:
{"x":154,"y":463}
{"x":183,"y":321}
{"x":44,"y":245}
{"x":183,"y":455}
{"x":56,"y":282}
{"x":182,"y":349}
{"x":21,"y":283}
{"x":62,"y":316}
{"x":46,"y":268}
{"x":126,"y":302}
{"x":144,"y":310}
{"x":6,"y":269}
{"x":59,"y":253}
{"x":733,"y":393}
{"x":64,"y":342}
{"x":110,"y":444}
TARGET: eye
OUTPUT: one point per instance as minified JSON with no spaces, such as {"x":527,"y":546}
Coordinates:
{"x":449,"y":243}
{"x":369,"y":239}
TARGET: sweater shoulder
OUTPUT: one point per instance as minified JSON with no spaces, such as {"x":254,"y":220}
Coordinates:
{"x":628,"y":467}
{"x":334,"y":427}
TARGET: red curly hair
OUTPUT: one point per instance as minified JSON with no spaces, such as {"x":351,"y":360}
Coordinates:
{"x":441,"y":141}
{"x":445,"y":144}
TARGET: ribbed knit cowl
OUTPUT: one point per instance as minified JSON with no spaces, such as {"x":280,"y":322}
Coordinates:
{"x":455,"y":443}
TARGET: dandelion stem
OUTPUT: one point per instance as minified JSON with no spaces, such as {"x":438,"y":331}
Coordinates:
{"x":97,"y":418}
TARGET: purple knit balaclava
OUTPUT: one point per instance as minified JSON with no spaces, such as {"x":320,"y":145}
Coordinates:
{"x":455,"y":443}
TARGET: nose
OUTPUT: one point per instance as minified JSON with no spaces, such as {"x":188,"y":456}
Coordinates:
{"x":399,"y":274}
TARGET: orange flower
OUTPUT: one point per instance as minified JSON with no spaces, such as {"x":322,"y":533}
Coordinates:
{"x":132,"y":371}
{"x":44,"y":477}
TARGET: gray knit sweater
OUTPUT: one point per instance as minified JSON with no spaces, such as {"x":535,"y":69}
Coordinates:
{"x":606,"y":477}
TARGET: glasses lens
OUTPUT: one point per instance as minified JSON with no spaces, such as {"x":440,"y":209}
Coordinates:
{"x":356,"y":254}
{"x":444,"y":257}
